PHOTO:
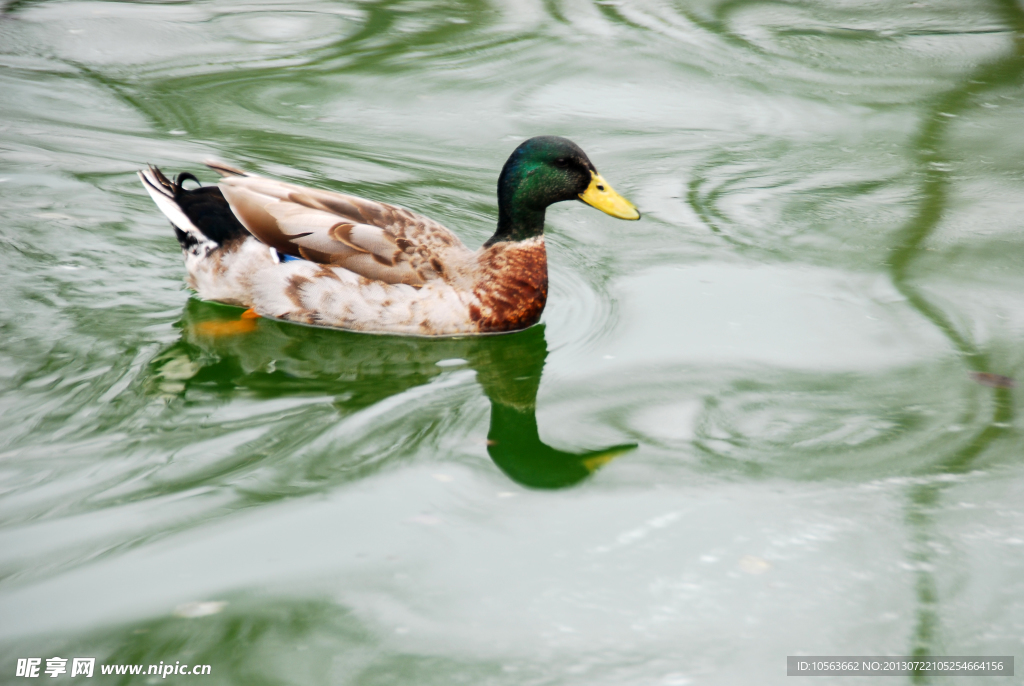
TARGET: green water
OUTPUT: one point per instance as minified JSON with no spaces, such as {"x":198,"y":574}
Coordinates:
{"x":753,"y":424}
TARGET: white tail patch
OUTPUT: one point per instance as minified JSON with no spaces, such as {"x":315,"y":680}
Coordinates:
{"x":165,"y":201}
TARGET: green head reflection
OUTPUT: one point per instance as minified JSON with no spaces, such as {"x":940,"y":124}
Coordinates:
{"x":514,"y":444}
{"x":221,"y":355}
{"x":509,"y":371}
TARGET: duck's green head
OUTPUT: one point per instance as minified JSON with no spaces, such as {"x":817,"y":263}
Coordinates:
{"x":545,"y":170}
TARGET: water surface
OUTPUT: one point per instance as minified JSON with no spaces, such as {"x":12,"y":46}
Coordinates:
{"x":777,"y":416}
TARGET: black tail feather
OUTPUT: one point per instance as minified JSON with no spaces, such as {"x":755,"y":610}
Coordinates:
{"x":205,"y":207}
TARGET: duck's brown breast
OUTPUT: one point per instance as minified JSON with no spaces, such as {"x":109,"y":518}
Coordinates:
{"x":511,"y":286}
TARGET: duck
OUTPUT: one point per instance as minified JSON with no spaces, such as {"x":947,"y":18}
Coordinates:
{"x":329,"y":259}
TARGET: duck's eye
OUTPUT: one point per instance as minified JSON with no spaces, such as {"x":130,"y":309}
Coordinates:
{"x":561,"y":163}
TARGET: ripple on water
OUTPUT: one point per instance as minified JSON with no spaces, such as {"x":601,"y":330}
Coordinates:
{"x":762,"y":200}
{"x":776,"y":423}
{"x":579,"y":314}
{"x":840,"y":426}
{"x":299,"y":30}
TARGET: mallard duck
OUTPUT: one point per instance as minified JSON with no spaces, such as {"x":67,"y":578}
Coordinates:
{"x":328,"y":259}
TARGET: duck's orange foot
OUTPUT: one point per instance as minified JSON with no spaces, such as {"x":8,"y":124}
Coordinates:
{"x":230,"y":327}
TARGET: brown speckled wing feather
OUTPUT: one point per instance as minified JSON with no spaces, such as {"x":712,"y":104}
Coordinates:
{"x":373,"y":239}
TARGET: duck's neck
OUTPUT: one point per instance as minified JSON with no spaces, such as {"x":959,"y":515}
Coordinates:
{"x":517,"y":222}
{"x":521,"y":203}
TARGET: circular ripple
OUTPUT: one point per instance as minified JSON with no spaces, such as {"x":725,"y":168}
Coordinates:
{"x":848,"y":425}
{"x":579,"y":313}
{"x":781,"y":200}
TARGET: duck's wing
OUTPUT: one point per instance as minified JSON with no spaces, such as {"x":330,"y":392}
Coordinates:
{"x":373,"y":239}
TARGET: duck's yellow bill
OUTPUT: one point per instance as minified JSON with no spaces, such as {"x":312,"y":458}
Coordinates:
{"x":602,"y":196}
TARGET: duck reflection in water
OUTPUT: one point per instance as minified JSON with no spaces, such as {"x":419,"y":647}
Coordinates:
{"x":219,"y":350}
